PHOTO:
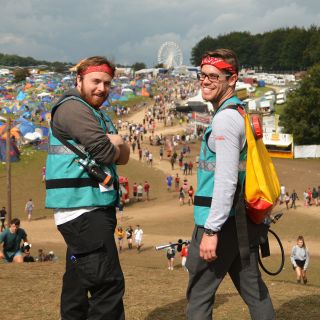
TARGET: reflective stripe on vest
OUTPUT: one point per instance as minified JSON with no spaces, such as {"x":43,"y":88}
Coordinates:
{"x":211,"y":166}
{"x":53,"y":149}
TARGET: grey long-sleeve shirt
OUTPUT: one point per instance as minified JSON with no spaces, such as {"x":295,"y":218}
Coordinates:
{"x":302,"y":254}
{"x":74,"y":120}
{"x":226,"y":140}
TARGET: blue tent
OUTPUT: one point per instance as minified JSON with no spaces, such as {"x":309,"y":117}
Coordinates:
{"x":24,"y":125}
{"x":5,"y":110}
{"x":45,"y":131}
{"x":21,"y":96}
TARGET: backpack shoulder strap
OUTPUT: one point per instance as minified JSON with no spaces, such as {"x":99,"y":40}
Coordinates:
{"x":237,"y":107}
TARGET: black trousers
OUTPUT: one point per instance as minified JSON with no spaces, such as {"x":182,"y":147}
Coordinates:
{"x":93,"y":284}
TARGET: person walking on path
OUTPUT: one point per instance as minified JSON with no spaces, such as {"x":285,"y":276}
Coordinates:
{"x":190,"y":196}
{"x":146,"y":189}
{"x":135,"y":191}
{"x":287,"y":200}
{"x":182,"y":196}
{"x":216,"y":249}
{"x":169,"y":179}
{"x":171,"y":252}
{"x":184,"y":255}
{"x":83,"y":189}
{"x":140,"y":191}
{"x":293,"y":197}
{"x":300,"y":260}
{"x":177,"y":182}
{"x":282,"y":193}
{"x":120,"y":233}
{"x":29,"y":208}
{"x":129,"y":233}
{"x":138,"y":232}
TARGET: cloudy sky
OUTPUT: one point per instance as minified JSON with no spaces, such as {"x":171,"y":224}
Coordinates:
{"x":131,"y":31}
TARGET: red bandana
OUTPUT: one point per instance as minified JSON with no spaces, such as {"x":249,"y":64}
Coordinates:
{"x":218,"y":63}
{"x":102,"y":68}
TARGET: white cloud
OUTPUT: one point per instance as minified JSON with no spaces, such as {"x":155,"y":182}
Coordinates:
{"x":131,"y":31}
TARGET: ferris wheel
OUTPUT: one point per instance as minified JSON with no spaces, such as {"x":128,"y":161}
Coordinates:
{"x":170,"y":55}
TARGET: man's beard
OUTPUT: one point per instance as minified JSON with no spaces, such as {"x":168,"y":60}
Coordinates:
{"x":93,"y":100}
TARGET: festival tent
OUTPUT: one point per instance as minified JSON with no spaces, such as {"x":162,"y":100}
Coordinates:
{"x":126,"y":91}
{"x":5,"y":110}
{"x":24,"y":126}
{"x":144,"y":92}
{"x":21,"y":96}
{"x":43,"y":94}
{"x":14,"y":132}
{"x":14,"y":151}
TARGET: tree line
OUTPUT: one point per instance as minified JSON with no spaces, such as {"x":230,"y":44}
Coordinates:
{"x":284,"y":49}
{"x":13,"y":60}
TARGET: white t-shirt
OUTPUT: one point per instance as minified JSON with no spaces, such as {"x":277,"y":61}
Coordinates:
{"x":138,"y":234}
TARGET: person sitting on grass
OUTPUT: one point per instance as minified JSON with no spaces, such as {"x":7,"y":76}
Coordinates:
{"x":11,"y":239}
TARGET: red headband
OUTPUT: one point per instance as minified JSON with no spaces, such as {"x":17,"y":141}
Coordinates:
{"x":101,"y":68}
{"x":218,"y":63}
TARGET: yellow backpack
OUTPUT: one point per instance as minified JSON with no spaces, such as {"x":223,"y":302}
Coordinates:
{"x":262,"y":187}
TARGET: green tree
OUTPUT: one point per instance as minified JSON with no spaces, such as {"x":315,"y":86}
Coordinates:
{"x":301,"y":116}
{"x":159,"y":65}
{"x":206,"y":44}
{"x":311,"y":53}
{"x":138,"y":66}
{"x":20,"y":74}
{"x":59,"y":67}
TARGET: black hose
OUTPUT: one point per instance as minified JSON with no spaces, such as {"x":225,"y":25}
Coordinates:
{"x":282,"y":257}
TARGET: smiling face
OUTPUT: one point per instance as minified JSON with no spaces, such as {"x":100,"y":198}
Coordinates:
{"x":216,"y":86}
{"x":94,"y":87}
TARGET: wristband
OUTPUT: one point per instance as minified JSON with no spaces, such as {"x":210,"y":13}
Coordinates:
{"x":210,"y":232}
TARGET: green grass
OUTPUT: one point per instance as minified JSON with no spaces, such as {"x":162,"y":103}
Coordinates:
{"x":26,"y":182}
{"x":260,"y":91}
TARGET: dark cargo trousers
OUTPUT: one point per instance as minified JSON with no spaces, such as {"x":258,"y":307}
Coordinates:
{"x":93,"y":284}
{"x":205,"y":277}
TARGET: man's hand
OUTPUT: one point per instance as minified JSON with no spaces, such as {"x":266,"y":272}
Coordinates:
{"x":208,"y":247}
{"x":115,"y":139}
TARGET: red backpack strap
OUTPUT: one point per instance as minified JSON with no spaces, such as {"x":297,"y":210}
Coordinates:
{"x":237,"y":107}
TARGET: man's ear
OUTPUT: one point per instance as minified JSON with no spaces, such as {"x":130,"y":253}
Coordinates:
{"x":233,"y":79}
{"x":78,"y":80}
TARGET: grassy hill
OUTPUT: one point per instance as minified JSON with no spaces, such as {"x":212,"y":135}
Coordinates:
{"x":153,"y":292}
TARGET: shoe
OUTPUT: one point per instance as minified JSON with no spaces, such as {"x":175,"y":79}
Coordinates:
{"x":298,"y":281}
{"x":305,"y":280}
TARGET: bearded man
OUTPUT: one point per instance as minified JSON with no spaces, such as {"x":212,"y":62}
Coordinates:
{"x":84,"y":204}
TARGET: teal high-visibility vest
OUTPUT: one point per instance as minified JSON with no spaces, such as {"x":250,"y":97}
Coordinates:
{"x":206,"y":172}
{"x":68,"y":185}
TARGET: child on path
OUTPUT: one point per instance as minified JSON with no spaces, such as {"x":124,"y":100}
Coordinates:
{"x":300,"y":260}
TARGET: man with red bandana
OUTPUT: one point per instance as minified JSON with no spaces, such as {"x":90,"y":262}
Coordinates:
{"x":224,"y":240}
{"x":85,"y":207}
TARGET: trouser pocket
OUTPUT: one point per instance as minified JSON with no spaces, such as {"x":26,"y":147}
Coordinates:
{"x":96,"y":268}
